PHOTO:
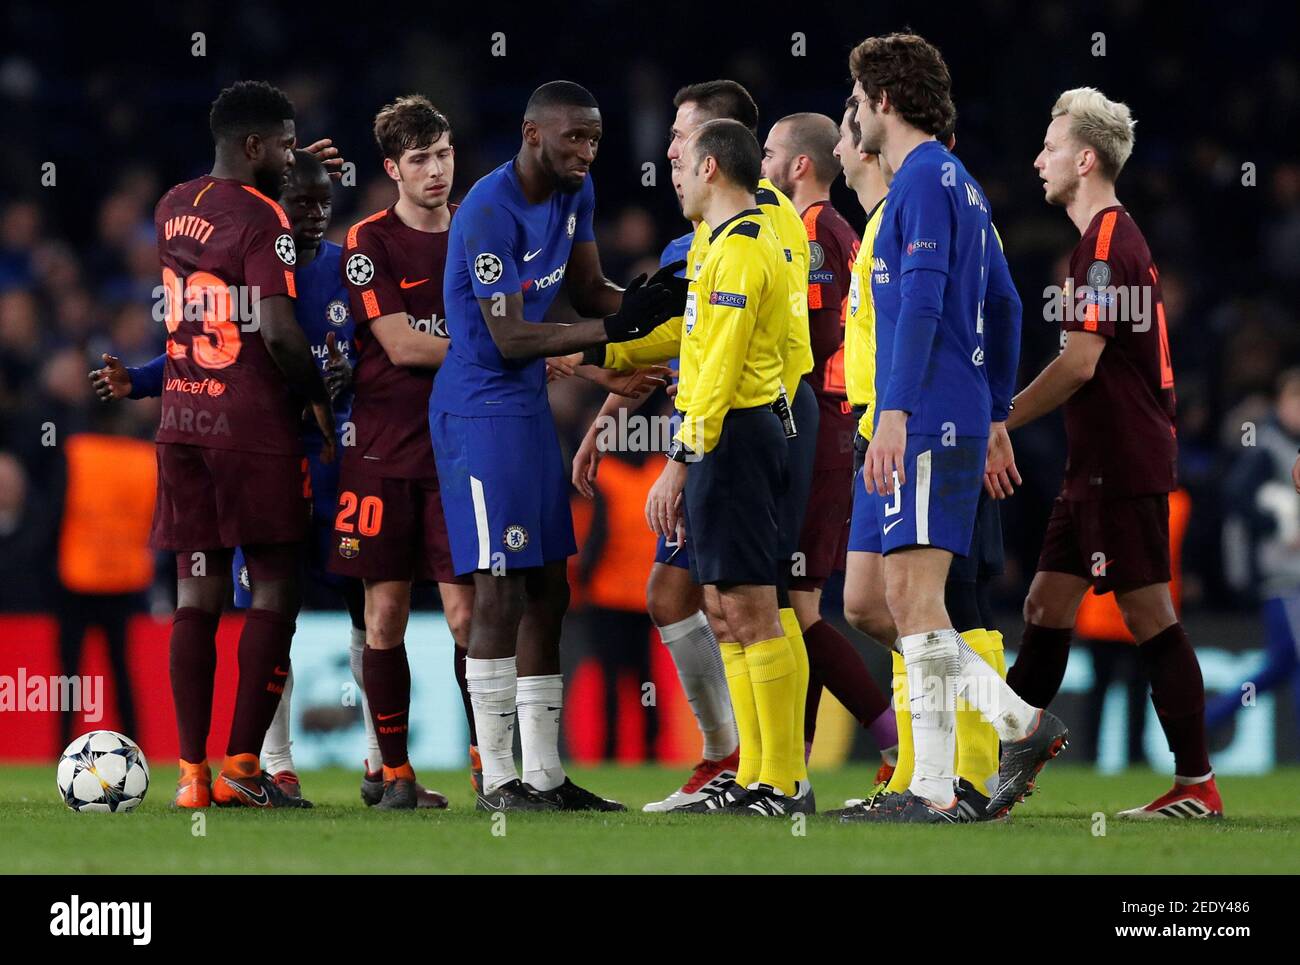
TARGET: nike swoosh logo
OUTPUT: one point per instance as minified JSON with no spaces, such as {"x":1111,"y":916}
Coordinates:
{"x":389,"y":716}
{"x":530,"y":255}
{"x":891,"y":526}
{"x":412,"y":284}
{"x":493,"y":806}
{"x":260,"y":798}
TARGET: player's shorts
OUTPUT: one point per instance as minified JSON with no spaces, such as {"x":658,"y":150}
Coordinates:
{"x":986,"y":557}
{"x":504,"y":489}
{"x":936,"y":505}
{"x":389,"y":529}
{"x":733,"y":496}
{"x":673,"y":554}
{"x":1114,"y":544}
{"x":212,"y":498}
{"x":864,"y":525}
{"x":825,"y":537}
{"x":803,"y":455}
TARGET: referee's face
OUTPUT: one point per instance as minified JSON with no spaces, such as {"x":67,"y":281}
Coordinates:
{"x":689,"y":117}
{"x":693,"y":188}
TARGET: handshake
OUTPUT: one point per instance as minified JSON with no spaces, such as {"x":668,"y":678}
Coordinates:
{"x":648,"y":303}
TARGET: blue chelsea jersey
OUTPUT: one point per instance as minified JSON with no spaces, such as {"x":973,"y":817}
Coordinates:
{"x":322,"y":307}
{"x":929,"y":277}
{"x":501,"y":245}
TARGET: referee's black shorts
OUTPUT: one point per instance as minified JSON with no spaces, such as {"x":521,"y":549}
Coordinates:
{"x":733,"y":496}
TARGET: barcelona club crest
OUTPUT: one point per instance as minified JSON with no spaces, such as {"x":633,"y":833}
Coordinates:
{"x":349,"y":547}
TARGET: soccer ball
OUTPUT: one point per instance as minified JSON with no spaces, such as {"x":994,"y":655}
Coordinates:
{"x":103,"y":771}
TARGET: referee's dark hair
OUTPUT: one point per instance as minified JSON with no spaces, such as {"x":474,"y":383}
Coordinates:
{"x":558,"y":93}
{"x":721,"y":99}
{"x":911,"y":70}
{"x":735,"y":149}
{"x":248,"y":107}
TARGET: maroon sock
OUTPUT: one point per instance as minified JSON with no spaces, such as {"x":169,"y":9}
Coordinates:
{"x":811,"y":704}
{"x":193,"y":669}
{"x":387,"y":676}
{"x":1178,"y":692}
{"x":460,"y":655}
{"x":839,"y":666}
{"x":263,"y":667}
{"x":1040,"y":664}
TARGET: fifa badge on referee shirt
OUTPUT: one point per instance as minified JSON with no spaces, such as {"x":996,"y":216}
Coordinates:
{"x":688,"y":317}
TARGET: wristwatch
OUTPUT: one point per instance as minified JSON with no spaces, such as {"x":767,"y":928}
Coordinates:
{"x":678,"y":452}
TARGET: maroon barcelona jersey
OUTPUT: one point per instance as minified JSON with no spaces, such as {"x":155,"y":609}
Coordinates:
{"x":223,"y":245}
{"x":832,"y":247}
{"x":1120,"y":425}
{"x":393,"y":269}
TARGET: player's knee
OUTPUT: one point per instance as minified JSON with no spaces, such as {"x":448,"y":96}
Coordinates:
{"x":663,"y":606}
{"x":459,"y":614}
{"x":498,"y":603}
{"x":1040,"y":610}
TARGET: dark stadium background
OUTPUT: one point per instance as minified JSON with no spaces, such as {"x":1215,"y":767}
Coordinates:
{"x":115,"y":99}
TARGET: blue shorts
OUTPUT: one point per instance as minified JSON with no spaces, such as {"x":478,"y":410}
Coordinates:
{"x":864,"y":529}
{"x":672,"y":554}
{"x":935,"y":507}
{"x":505,"y":491}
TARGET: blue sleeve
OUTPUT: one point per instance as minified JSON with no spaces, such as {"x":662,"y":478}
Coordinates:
{"x":584,"y":231}
{"x":925,"y":224}
{"x":1002,"y":317}
{"x":918,"y":323}
{"x":675,"y":251}
{"x":147,"y":379}
{"x":489,"y":234}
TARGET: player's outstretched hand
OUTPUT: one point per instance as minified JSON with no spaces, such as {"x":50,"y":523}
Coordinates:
{"x":112,"y":382}
{"x":644,"y":308}
{"x":884,"y":464}
{"x":667,"y":277}
{"x":638,"y":382}
{"x":338,"y":371}
{"x":562,"y":366}
{"x":1000,"y":473}
{"x":328,"y":155}
{"x":586,"y":462}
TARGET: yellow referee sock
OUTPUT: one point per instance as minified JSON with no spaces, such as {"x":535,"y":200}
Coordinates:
{"x":772,"y":673}
{"x":790,"y":624}
{"x":903,"y":716}
{"x":742,"y":707}
{"x":977,"y":742}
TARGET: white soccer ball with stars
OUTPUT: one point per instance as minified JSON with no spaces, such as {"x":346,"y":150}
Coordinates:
{"x":103,"y":771}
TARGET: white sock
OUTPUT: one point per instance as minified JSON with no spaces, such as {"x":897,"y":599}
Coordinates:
{"x":982,"y":688}
{"x":699,"y":667}
{"x":491,"y":685}
{"x":540,"y":700}
{"x":932,"y":671}
{"x":276,"y":754}
{"x":356,"y":653}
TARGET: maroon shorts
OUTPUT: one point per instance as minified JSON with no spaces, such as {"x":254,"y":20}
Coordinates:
{"x":213,"y":498}
{"x":1114,"y":544}
{"x":825,"y":537}
{"x":390,"y":529}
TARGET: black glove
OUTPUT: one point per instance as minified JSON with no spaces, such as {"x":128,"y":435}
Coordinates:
{"x":667,"y":276}
{"x":860,"y":444}
{"x":644,"y":308}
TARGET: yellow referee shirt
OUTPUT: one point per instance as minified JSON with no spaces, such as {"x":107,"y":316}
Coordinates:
{"x":736,"y":329}
{"x":860,"y":328}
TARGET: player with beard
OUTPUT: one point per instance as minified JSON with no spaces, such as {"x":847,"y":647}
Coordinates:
{"x":1109,"y":527}
{"x":231,"y":470}
{"x":521,"y":231}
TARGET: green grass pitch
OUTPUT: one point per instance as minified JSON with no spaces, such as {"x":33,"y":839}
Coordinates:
{"x":1053,"y":832}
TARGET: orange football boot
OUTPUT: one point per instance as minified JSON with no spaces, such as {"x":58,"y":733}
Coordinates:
{"x":194,"y":789}
{"x":242,"y":783}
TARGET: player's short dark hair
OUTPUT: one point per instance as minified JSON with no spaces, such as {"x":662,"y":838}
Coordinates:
{"x":912,"y":71}
{"x":734,"y":147}
{"x":559,"y":93}
{"x":816,"y":136}
{"x":307,"y":166}
{"x":721,"y":99}
{"x":248,"y":107}
{"x":408,"y":123}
